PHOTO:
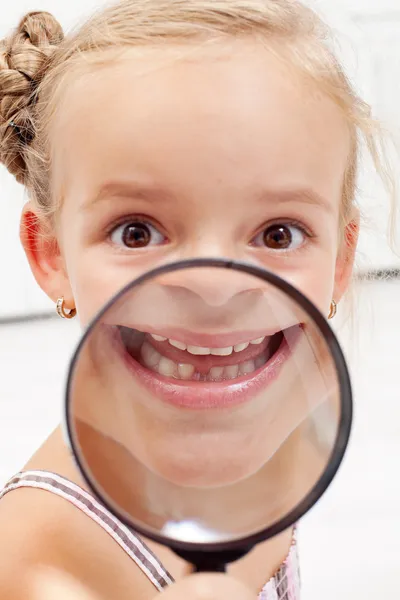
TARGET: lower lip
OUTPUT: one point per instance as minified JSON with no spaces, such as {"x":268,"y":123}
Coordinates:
{"x":196,"y":396}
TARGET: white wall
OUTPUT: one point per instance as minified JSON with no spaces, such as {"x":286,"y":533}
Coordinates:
{"x":370,"y":33}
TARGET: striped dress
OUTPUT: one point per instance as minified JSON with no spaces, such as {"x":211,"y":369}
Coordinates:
{"x":285,"y":584}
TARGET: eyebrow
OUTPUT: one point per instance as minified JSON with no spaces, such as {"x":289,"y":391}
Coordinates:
{"x":124,"y":189}
{"x":303,"y":195}
{"x":150,"y":192}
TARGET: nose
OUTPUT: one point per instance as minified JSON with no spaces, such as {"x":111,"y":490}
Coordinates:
{"x":215,"y":286}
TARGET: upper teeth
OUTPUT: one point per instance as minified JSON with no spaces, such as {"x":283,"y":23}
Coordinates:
{"x":203,"y":351}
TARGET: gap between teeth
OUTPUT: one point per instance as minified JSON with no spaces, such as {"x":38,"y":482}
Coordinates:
{"x":203,"y":351}
{"x":168,"y":368}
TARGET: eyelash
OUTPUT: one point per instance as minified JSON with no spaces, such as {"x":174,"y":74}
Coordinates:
{"x":284,"y":222}
{"x":126,"y":220}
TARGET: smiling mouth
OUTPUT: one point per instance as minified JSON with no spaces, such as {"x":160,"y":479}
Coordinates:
{"x":175,"y":359}
{"x":226,"y":370}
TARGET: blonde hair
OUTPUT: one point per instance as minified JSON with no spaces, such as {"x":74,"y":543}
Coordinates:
{"x":36,"y":58}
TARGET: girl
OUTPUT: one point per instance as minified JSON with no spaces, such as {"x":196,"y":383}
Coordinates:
{"x":164,"y":130}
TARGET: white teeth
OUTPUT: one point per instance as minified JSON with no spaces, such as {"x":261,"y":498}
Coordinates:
{"x":258,"y":340}
{"x":215,"y":373}
{"x":167,"y":367}
{"x":203,"y":351}
{"x":247,"y":367}
{"x":222,"y":351}
{"x":231,"y":372}
{"x":186,"y":371}
{"x":150,"y":356}
{"x":155,"y":361}
{"x":158,"y":338}
{"x":260,"y":361}
{"x":198,"y":350}
{"x":179,"y":345}
{"x":241,"y":347}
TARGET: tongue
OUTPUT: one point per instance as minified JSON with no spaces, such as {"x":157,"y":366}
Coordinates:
{"x":203,"y":364}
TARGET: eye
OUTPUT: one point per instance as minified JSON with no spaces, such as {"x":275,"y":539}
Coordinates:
{"x":136,"y":234}
{"x":281,"y":237}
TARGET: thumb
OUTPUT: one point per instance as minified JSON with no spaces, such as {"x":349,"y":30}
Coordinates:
{"x":208,"y":587}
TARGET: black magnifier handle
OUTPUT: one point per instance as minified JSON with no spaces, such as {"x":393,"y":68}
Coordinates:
{"x":212,"y":562}
{"x":214,"y":568}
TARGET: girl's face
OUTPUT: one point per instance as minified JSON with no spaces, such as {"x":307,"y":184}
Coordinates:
{"x":224,"y":153}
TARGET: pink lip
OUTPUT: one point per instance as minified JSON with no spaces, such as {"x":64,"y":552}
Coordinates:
{"x":219,"y":395}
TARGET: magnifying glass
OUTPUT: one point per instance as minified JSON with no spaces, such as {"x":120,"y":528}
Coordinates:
{"x":209,"y":407}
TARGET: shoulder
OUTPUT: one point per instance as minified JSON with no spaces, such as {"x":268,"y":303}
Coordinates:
{"x":40,"y":529}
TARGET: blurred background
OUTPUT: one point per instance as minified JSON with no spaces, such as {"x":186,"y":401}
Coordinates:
{"x":349,"y":540}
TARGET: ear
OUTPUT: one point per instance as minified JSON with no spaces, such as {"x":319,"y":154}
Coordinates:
{"x":345,"y":259}
{"x":44,"y":257}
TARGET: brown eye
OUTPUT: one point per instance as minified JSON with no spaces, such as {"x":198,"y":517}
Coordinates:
{"x":278,"y":237}
{"x":136,"y":235}
{"x":281,"y":237}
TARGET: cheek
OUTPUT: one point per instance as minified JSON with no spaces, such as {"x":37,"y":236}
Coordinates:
{"x":94,"y":287}
{"x":92,"y":290}
{"x":94,"y":275}
{"x":93,"y":281}
{"x":96,"y":278}
{"x":317,"y":283}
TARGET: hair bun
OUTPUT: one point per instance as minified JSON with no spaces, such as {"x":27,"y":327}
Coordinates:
{"x":24,"y":57}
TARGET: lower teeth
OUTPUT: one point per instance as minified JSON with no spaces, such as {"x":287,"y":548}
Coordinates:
{"x":154,"y":361}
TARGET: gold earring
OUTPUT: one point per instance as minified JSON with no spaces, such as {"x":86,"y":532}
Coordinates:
{"x":60,"y":308}
{"x":333,"y":310}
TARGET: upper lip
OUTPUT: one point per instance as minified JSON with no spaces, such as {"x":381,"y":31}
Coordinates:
{"x":207,"y":340}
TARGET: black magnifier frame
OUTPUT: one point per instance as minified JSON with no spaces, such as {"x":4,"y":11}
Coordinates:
{"x":214,"y":556}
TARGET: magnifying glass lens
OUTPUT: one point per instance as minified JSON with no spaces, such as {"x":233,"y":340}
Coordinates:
{"x":209,"y":405}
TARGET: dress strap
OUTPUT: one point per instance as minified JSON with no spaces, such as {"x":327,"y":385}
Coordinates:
{"x":285,"y":585}
{"x":122,"y":535}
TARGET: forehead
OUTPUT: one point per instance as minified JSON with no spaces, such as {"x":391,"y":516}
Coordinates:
{"x":232,"y":114}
